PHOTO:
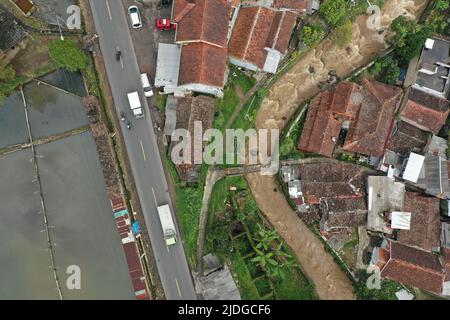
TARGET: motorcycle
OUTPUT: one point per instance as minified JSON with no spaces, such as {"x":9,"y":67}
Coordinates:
{"x":118,"y":55}
{"x":128,"y":125}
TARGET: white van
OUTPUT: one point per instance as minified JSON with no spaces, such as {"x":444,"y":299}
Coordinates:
{"x":135,"y":17}
{"x":146,"y":85}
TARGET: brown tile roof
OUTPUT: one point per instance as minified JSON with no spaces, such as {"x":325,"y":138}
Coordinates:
{"x":189,"y":110}
{"x":425,"y":111}
{"x":414,"y":267}
{"x":407,"y":138}
{"x":369,"y":107}
{"x":299,"y":5}
{"x":281,"y":30}
{"x":368,"y":134}
{"x":202,"y":20}
{"x":447,"y":264}
{"x":339,"y":189}
{"x":250,"y":33}
{"x":202,"y":63}
{"x":425,"y":222}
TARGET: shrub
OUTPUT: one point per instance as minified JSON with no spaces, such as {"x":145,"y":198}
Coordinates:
{"x":342,"y":35}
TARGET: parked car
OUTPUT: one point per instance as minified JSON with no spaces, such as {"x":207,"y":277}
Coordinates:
{"x":135,"y":17}
{"x":146,"y":85}
{"x":165,"y":24}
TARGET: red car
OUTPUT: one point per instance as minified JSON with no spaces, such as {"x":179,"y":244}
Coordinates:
{"x":165,"y":24}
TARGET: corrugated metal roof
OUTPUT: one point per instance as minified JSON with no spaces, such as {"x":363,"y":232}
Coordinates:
{"x":167,"y":66}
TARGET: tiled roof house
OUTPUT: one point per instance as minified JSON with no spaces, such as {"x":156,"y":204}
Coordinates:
{"x":297,"y":5}
{"x":414,"y":267}
{"x":425,"y":222}
{"x":425,"y":111}
{"x":188,"y":111}
{"x":202,"y":33}
{"x":338,"y":189}
{"x":365,"y":111}
{"x":260,"y":38}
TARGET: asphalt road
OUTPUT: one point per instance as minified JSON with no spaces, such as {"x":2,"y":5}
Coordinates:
{"x":112,"y":25}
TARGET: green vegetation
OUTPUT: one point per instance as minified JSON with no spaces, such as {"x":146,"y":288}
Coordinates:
{"x":240,"y":79}
{"x":312,"y":34}
{"x":442,"y":5}
{"x":7,"y":77}
{"x":247,"y":116}
{"x":67,"y":54}
{"x":237,"y":80}
{"x":409,"y":37}
{"x":9,"y":80}
{"x":342,"y":35}
{"x":437,"y":20}
{"x":334,"y":12}
{"x":386,"y":292}
{"x":225,"y":107}
{"x":188,"y":204}
{"x":161,"y":100}
{"x":261,"y":263}
{"x":385,"y":69}
{"x":288,"y":145}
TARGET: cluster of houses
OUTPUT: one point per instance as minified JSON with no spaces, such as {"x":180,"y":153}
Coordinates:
{"x":401,"y":194}
{"x":212,"y":33}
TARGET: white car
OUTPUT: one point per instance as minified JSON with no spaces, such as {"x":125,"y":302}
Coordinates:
{"x":146,"y":85}
{"x":135,"y":17}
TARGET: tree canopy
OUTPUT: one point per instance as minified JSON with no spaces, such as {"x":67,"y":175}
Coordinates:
{"x":334,"y":12}
{"x":312,"y":34}
{"x":67,"y":54}
{"x":409,"y":37}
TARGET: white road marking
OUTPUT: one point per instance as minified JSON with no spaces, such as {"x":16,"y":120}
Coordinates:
{"x":143,"y":151}
{"x":154,"y":197}
{"x":109,"y":9}
{"x":178,"y":287}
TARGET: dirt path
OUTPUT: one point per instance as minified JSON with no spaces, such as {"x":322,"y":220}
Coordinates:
{"x":295,"y":87}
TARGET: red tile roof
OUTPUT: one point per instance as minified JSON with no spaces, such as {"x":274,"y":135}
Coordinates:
{"x":423,"y":117}
{"x":369,"y":107}
{"x":425,"y":222}
{"x":369,"y":133}
{"x":250,"y":33}
{"x":299,"y":5}
{"x":189,"y":111}
{"x":202,"y":20}
{"x":414,"y":267}
{"x":257,"y":28}
{"x":202,"y":63}
{"x":281,"y":30}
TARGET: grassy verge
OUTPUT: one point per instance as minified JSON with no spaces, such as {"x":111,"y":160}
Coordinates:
{"x":161,"y":100}
{"x":386,"y":291}
{"x":234,"y":230}
{"x":247,"y":116}
{"x":228,"y":104}
{"x":291,"y":137}
{"x":188,"y":204}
